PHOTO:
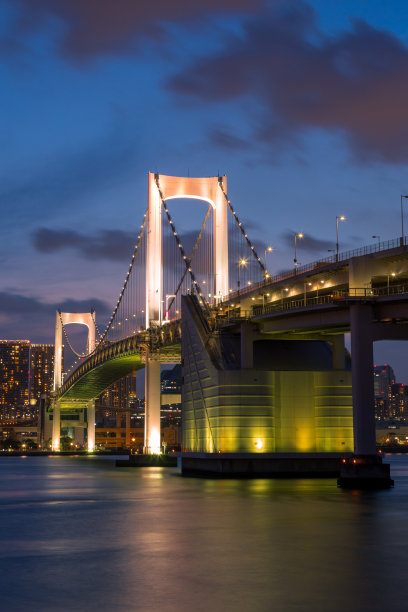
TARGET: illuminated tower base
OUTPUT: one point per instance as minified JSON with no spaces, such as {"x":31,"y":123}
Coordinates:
{"x":152,"y":407}
{"x":237,"y":413}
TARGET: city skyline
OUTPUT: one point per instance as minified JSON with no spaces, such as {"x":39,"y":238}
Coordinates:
{"x":301,"y":104}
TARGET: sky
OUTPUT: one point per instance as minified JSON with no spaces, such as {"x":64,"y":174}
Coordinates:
{"x":303,"y":105}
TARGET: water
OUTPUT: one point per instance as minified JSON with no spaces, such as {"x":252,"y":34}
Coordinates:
{"x":78,"y":534}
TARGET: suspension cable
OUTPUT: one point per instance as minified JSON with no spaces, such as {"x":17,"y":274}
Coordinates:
{"x":193,"y":252}
{"x":80,"y":355}
{"x":96,"y":327}
{"x":139,"y":238}
{"x":245,"y":235}
{"x":182,"y":251}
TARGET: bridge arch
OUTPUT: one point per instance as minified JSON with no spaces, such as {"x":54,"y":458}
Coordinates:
{"x":202,"y":188}
{"x":62,"y":319}
{"x":67,"y":318}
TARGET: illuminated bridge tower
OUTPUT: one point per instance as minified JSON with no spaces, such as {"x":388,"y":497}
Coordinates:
{"x":162,"y":188}
{"x":62,"y":319}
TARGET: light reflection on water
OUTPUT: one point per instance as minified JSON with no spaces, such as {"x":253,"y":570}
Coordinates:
{"x":78,"y":534}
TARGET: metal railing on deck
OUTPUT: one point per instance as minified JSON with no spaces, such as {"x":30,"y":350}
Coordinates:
{"x":321,"y":263}
{"x":305,"y":300}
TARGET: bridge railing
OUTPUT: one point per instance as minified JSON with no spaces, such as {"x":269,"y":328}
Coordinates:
{"x":385,"y":245}
{"x":304,"y":301}
{"x":224,"y":314}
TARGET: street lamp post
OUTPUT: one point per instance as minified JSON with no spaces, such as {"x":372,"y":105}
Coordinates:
{"x":388,"y":282}
{"x":268,"y":249}
{"x":402,"y":220}
{"x":340,"y":218}
{"x":305,"y":286}
{"x":242,"y":262}
{"x":379,"y":240}
{"x":295,"y":261}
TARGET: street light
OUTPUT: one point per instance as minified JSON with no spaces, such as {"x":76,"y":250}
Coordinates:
{"x":268,"y":249}
{"x":305,"y":285}
{"x":341,"y":218}
{"x":242,"y":262}
{"x":402,"y":220}
{"x":300,"y":235}
{"x":378,"y":238}
{"x":388,"y":282}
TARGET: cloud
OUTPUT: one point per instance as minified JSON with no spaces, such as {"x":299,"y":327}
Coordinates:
{"x":95,"y":27}
{"x":67,"y":178}
{"x":308,"y":243}
{"x":116,"y":245}
{"x":354,"y":84}
{"x":17,"y":313}
{"x":224,"y":138}
{"x":22,"y":305}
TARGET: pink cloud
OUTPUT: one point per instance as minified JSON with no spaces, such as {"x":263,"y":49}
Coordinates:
{"x":95,"y":27}
{"x":355,"y":83}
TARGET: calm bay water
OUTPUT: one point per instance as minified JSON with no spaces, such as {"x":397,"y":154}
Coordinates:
{"x":78,"y":534}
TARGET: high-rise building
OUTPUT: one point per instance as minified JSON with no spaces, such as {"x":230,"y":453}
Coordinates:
{"x":14,"y":366}
{"x":384,"y":377}
{"x":398,"y":401}
{"x":26,"y":372}
{"x":41,"y":371}
{"x":119,"y":395}
{"x":171,"y":380}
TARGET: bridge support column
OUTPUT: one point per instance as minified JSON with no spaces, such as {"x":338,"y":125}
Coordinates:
{"x":362,"y":379}
{"x":127,"y":416}
{"x":56,"y":426}
{"x":91,"y":426}
{"x":247,"y":346}
{"x":338,"y":352}
{"x":152,"y":441}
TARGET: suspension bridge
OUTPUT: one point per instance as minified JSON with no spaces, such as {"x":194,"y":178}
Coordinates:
{"x":144,"y":329}
{"x":209,"y":300}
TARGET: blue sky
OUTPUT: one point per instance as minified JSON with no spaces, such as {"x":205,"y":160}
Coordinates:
{"x":302,"y":104}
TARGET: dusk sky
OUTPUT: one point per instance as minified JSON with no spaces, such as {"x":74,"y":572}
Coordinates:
{"x":303,"y":105}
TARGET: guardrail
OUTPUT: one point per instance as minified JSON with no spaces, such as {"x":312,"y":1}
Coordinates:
{"x":386,"y":245}
{"x":306,"y":300}
{"x":332,"y":298}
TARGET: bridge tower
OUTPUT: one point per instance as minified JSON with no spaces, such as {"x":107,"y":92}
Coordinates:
{"x":209,"y":190}
{"x":62,"y":319}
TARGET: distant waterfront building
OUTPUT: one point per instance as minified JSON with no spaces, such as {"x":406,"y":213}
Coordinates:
{"x":398,"y":401}
{"x":171,"y":380}
{"x":384,"y":377}
{"x":41,"y":371}
{"x":119,"y":396}
{"x":26,"y":372}
{"x":14,"y":366}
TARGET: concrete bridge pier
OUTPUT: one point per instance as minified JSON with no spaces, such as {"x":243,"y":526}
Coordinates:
{"x":56,"y":425}
{"x":362,"y":378}
{"x":152,"y":445}
{"x":365,"y":469}
{"x":338,"y":352}
{"x":247,"y":341}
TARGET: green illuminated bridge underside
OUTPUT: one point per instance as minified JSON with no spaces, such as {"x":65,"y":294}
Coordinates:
{"x":92,"y":383}
{"x":116,"y":360}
